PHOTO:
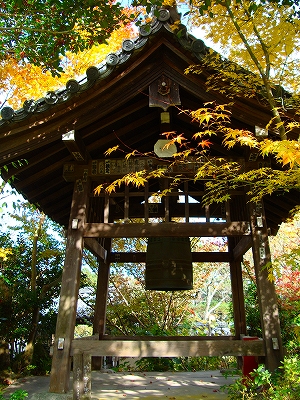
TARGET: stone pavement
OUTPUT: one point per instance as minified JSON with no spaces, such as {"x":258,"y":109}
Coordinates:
{"x":198,"y":385}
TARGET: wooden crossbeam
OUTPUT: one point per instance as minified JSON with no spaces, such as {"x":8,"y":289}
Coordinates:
{"x":168,"y":348}
{"x":140,"y":257}
{"x":82,"y":351}
{"x":167,"y":229}
{"x":96,"y":248}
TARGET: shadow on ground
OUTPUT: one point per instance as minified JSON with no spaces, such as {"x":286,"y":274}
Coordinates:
{"x":199,"y":385}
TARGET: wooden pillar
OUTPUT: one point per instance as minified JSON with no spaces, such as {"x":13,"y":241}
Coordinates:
{"x":265,"y":288}
{"x":102,"y":290}
{"x":101,"y":300}
{"x":236,"y":210}
{"x":60,"y":371}
{"x":238,"y":301}
{"x":103,"y":273}
{"x":82,"y":376}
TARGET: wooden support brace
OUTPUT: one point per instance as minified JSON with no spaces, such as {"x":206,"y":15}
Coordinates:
{"x":106,"y":209}
{"x":126,"y":204}
{"x":96,"y":248}
{"x":242,"y":247}
{"x":186,"y":202}
{"x":146,"y":203}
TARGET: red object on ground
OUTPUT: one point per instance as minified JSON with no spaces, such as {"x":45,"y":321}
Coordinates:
{"x":250,"y":363}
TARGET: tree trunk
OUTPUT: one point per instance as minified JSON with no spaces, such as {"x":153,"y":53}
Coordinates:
{"x":4,"y":355}
{"x":28,"y":353}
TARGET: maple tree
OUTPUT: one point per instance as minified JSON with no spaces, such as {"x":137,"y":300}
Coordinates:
{"x":220,"y":174}
{"x":261,"y":40}
{"x":286,"y":246}
{"x":284,"y":272}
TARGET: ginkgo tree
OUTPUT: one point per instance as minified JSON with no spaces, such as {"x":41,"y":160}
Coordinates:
{"x":20,"y":81}
{"x":41,"y":31}
{"x":43,"y":40}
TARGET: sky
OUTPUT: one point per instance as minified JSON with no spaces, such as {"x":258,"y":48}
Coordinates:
{"x":8,"y":199}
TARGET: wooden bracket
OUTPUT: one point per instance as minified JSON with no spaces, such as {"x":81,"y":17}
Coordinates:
{"x":75,"y":146}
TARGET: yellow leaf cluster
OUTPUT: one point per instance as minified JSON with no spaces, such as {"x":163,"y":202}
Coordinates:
{"x":109,"y":151}
{"x":239,"y":136}
{"x":210,"y":114}
{"x":169,"y":3}
{"x":136,"y":179}
{"x":286,"y":151}
{"x":20,"y":82}
{"x":4,"y":253}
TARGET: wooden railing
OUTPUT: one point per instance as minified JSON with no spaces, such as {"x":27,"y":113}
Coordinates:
{"x":149,"y":346}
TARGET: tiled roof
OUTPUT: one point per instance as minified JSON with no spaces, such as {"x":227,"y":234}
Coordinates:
{"x":97,"y":73}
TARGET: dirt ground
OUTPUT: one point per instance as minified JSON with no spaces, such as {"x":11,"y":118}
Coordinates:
{"x":206,"y":385}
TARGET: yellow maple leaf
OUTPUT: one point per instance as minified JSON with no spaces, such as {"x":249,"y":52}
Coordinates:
{"x":111,"y":150}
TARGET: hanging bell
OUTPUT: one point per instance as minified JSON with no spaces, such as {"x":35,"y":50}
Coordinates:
{"x":169,"y":264}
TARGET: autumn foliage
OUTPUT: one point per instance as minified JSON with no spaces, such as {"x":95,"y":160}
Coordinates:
{"x":40,"y":31}
{"x":24,"y":81}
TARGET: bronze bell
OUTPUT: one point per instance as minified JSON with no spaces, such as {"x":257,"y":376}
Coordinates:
{"x":169,"y":264}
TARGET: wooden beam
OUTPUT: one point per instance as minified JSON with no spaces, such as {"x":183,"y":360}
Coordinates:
{"x":126,"y":111}
{"x":276,"y":210}
{"x":104,"y":140}
{"x":32,"y":161}
{"x":38,"y":174}
{"x":238,"y":301}
{"x":96,"y":248}
{"x":168,"y":348}
{"x":166,"y":229}
{"x":140,"y":257}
